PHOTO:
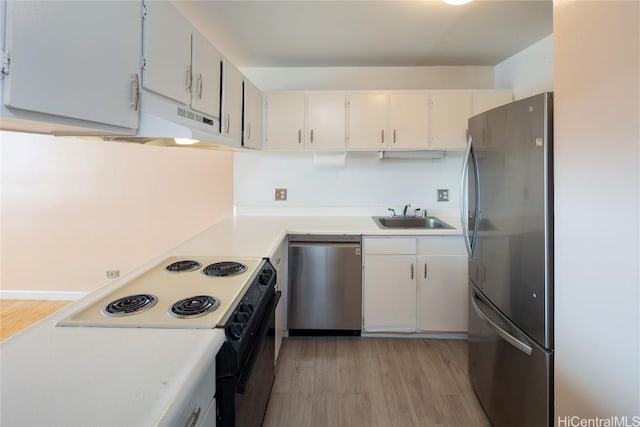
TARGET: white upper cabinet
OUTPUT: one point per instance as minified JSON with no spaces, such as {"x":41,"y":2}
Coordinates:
{"x":231,"y":102}
{"x":205,"y":70}
{"x":180,"y":63}
{"x":167,"y":52}
{"x":448,"y":115}
{"x":408,"y":114}
{"x":367,"y":121}
{"x":326,"y":121}
{"x":74,"y":59}
{"x":285,"y":121}
{"x":252,"y":119}
{"x":483,"y":101}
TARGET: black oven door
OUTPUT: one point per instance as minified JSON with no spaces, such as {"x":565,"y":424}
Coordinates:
{"x":255,"y":378}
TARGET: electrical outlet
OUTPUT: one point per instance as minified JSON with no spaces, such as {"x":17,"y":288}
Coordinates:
{"x":281,"y":194}
{"x":113,"y":274}
{"x":443,"y":195}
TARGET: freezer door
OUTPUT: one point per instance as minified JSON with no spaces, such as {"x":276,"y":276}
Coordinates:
{"x":514,"y":238}
{"x":509,"y":372}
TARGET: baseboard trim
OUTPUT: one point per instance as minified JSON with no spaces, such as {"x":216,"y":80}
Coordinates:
{"x":430,"y":335}
{"x":42,"y":295}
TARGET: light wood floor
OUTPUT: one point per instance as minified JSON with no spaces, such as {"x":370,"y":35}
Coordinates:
{"x":340,"y":381}
{"x":16,"y":315}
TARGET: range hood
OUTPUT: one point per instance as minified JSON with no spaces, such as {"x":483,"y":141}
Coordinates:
{"x":165,"y":122}
{"x":169,"y":123}
{"x":412,"y":154}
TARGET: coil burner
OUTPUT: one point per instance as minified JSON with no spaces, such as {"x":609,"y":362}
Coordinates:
{"x":194,"y":306}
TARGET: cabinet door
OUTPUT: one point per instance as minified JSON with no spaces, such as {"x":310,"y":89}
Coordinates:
{"x":167,"y":52}
{"x":448,"y":117}
{"x":390,"y":293}
{"x":231,"y":102}
{"x":285,"y":121}
{"x":279,"y":260}
{"x":408,"y":115}
{"x":483,"y":101}
{"x":326,"y":121}
{"x":252,"y":119}
{"x":74,"y":59}
{"x":367,"y":121}
{"x":205,"y":68}
{"x":443,"y":293}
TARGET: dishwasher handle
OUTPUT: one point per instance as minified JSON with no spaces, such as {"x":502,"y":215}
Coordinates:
{"x":325,"y":238}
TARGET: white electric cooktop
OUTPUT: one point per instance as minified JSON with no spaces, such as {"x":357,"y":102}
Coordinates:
{"x":149,"y":300}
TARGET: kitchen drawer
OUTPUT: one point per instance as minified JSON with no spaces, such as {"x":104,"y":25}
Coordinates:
{"x":438,"y":245}
{"x":389,"y":246}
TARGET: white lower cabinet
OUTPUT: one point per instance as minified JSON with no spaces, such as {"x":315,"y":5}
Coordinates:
{"x":390,"y":293}
{"x":415,"y":284}
{"x":442,"y":284}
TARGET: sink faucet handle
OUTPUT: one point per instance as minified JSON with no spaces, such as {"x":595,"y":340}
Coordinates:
{"x":417,"y":211}
{"x":393,"y":211}
{"x":404,"y":211}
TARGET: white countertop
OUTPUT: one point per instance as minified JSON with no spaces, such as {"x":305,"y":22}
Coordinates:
{"x":78,"y":376}
{"x":259,"y":236}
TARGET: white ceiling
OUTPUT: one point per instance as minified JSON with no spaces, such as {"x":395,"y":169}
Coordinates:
{"x":331,"y":33}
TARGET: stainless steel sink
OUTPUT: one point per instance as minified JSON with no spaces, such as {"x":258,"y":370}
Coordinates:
{"x":428,"y":223}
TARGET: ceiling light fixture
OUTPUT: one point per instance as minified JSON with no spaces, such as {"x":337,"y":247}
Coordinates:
{"x":456,"y":2}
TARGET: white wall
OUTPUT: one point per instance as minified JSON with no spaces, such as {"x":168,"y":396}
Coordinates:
{"x":528,"y":72}
{"x":73,"y":209}
{"x":364,"y":182}
{"x":597,"y":176}
{"x":365,"y":78}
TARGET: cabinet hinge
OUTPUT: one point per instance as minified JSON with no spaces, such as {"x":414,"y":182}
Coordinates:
{"x":143,"y":63}
{"x":5,"y":63}
{"x":144,"y":11}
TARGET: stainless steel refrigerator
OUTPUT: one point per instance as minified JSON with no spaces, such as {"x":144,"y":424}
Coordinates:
{"x":507,"y":214}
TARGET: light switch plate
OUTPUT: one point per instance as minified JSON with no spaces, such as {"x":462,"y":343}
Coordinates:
{"x":281,"y":194}
{"x":443,"y":195}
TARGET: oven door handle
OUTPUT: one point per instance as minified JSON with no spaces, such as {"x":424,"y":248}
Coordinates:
{"x":245,"y":373}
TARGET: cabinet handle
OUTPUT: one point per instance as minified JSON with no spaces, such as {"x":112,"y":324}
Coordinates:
{"x":248,"y":130}
{"x":199,"y":85}
{"x":382,"y":133}
{"x":412,"y":272}
{"x":299,"y":136}
{"x":135,"y":92}
{"x":228,"y":125}
{"x":312,"y":136}
{"x":188,"y":77}
{"x":425,"y":270}
{"x":394,"y":136}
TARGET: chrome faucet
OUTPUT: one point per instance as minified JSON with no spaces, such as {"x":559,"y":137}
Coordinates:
{"x":404,"y":211}
{"x":393,"y":211}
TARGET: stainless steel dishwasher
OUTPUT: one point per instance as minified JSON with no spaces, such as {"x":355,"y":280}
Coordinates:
{"x":325,"y":284}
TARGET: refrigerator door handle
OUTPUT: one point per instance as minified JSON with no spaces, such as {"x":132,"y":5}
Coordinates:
{"x":464,"y":217}
{"x":526,"y":349}
{"x":476,"y":207}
